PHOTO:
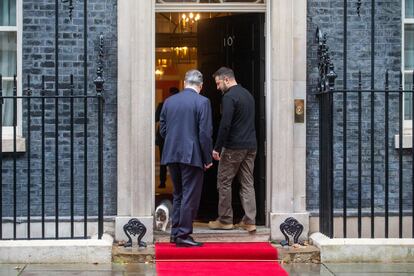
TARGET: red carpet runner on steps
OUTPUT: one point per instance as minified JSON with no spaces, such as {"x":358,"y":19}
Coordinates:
{"x":216,"y":259}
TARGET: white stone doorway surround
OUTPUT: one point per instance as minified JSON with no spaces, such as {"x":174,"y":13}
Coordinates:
{"x":285,"y":81}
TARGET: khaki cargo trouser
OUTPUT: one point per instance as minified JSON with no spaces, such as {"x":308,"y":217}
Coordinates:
{"x":240,"y":163}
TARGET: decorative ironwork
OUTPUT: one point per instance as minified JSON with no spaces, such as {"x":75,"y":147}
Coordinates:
{"x":327,"y":74}
{"x":99,"y":81}
{"x":136,"y":228}
{"x":359,"y":3}
{"x":291,"y":227}
{"x":28,"y":90}
{"x":70,"y":7}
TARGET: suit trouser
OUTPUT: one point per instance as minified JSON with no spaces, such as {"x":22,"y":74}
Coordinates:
{"x":188,"y":184}
{"x":236,"y":163}
{"x":163,"y":168}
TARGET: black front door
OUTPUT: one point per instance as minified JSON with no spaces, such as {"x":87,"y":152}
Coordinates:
{"x":235,"y":41}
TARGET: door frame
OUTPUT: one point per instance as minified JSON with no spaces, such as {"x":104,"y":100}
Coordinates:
{"x":286,"y":74}
{"x":204,"y":7}
{"x":239,"y":8}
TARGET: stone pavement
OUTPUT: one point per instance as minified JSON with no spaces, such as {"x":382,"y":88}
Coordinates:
{"x":141,"y":269}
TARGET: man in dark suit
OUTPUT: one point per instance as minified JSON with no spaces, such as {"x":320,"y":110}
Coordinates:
{"x":186,"y":126}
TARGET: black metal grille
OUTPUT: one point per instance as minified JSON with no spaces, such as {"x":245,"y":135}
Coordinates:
{"x":359,"y":125}
{"x":73,"y":130}
{"x":70,"y":121}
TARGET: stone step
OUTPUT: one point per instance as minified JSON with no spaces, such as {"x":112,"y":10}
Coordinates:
{"x":286,"y":254}
{"x":204,"y":234}
{"x":299,"y":254}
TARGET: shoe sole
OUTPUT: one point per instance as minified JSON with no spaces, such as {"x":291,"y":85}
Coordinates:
{"x":187,"y":245}
{"x":249,"y":229}
{"x":246,"y":229}
{"x":221,"y":228}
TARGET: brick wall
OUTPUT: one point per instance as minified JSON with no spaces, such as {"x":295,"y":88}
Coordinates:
{"x":39,"y":59}
{"x":328,"y":15}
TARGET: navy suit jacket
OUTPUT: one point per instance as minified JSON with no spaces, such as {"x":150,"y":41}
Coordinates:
{"x":185,"y":124}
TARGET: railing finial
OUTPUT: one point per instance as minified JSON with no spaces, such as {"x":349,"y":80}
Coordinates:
{"x":327,"y":74}
{"x":359,"y":3}
{"x":70,"y":7}
{"x":99,"y":81}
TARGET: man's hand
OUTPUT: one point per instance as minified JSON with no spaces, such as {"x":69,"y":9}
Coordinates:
{"x":208,"y":166}
{"x":216,"y":155}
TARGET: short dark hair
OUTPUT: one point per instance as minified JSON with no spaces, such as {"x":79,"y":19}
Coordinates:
{"x":174,"y":90}
{"x":224,"y":72}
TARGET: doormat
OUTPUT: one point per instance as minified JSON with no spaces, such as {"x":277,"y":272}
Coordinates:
{"x":250,"y":258}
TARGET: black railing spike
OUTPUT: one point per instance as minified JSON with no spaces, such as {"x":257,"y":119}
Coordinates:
{"x":1,"y":156}
{"x":70,"y":7}
{"x":28,"y":90}
{"x":359,"y":3}
{"x":43,"y":91}
{"x":412,"y":153}
{"x":43,"y":158}
{"x":99,"y":81}
{"x":386,"y":77}
{"x":14,"y":157}
{"x":1,"y":89}
{"x":318,"y":35}
{"x":327,"y":74}
{"x":71,"y":82}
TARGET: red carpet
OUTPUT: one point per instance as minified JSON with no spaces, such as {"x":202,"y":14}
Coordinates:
{"x":215,"y":259}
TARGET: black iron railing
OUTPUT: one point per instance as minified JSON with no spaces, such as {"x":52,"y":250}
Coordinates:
{"x":361,"y":173}
{"x":42,"y":110}
{"x":340,"y":125}
{"x":330,"y":124}
{"x":56,"y":182}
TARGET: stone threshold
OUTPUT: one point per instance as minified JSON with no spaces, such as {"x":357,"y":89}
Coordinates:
{"x":364,"y":250}
{"x":202,"y":233}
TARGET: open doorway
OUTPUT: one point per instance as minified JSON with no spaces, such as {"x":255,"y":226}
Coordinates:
{"x":207,"y":41}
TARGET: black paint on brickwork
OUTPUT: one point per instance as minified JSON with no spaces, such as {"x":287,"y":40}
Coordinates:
{"x":328,"y":15}
{"x":39,"y":59}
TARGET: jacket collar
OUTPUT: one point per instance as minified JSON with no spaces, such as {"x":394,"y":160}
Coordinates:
{"x":234,"y":86}
{"x":190,"y":89}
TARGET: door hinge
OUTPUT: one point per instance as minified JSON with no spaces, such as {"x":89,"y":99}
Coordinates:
{"x":265,"y":89}
{"x":265,"y":147}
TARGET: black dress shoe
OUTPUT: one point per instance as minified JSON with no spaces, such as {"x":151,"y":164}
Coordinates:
{"x":187,"y":242}
{"x":172,"y":239}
